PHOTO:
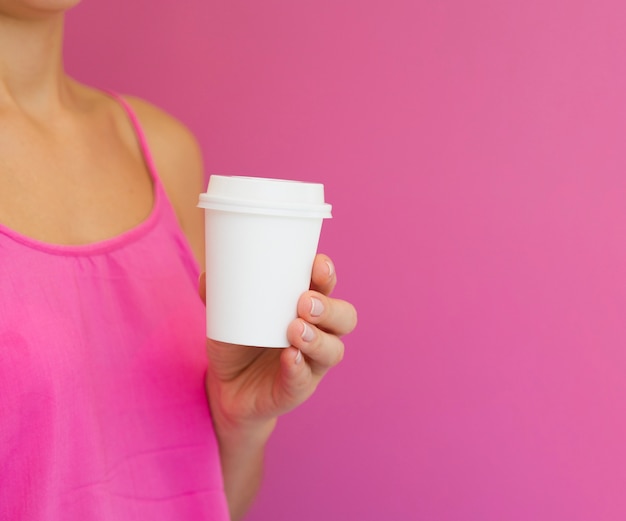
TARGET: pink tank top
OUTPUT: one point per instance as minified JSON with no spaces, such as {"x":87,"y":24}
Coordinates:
{"x":103,"y":414}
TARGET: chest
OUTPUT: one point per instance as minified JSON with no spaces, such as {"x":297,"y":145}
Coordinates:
{"x":96,"y":324}
{"x":74,"y":185}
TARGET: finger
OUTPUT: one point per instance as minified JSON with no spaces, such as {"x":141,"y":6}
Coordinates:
{"x":323,"y":275}
{"x":202,"y":286}
{"x":320,"y":349}
{"x":296,"y":377}
{"x":332,"y":315}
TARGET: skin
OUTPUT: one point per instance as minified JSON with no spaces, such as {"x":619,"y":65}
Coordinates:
{"x":98,"y":188}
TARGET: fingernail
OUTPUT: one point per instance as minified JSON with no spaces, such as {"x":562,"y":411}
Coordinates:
{"x":331,"y":268}
{"x":307,"y":333}
{"x":298,"y":359}
{"x":317,"y":308}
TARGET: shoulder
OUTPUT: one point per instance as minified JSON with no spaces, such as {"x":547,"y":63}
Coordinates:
{"x":178,"y":160}
{"x":175,"y":149}
{"x":170,"y":135}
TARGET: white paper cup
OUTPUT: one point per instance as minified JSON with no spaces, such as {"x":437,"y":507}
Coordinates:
{"x":261,"y":240}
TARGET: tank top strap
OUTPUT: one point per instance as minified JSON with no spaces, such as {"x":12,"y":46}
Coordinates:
{"x":139,"y":133}
{"x":163,"y":207}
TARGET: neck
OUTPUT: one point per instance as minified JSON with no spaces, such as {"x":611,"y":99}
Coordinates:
{"x":31,"y":62}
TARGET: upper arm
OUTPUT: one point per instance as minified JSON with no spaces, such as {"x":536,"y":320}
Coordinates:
{"x":178,"y":160}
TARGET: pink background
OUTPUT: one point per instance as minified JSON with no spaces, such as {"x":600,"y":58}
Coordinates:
{"x":474,"y":154}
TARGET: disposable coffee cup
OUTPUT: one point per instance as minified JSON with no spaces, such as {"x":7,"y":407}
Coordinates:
{"x":261,"y":240}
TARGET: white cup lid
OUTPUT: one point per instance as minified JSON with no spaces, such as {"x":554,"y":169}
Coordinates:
{"x":265,"y":196}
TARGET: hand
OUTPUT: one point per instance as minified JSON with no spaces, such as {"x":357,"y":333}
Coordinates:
{"x":249,"y":387}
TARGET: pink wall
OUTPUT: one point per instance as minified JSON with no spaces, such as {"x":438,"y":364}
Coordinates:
{"x":474,"y":153}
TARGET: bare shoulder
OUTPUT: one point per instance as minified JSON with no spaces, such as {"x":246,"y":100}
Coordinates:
{"x":175,"y":149}
{"x":178,"y":159}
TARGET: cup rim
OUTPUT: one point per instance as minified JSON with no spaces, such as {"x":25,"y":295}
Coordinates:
{"x":229,"y":204}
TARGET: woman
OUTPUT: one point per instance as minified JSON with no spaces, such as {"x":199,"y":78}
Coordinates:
{"x":104,"y":382}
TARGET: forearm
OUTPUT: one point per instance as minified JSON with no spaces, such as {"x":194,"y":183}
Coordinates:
{"x":242,"y":453}
{"x":242,"y":446}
